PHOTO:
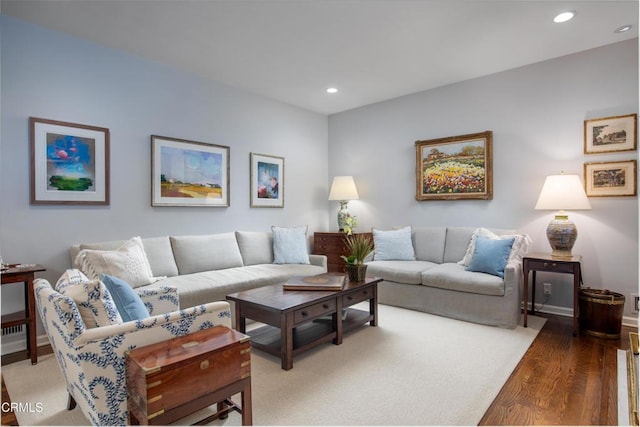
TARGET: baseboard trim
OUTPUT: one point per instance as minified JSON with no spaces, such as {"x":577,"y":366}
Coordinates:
{"x":630,"y":321}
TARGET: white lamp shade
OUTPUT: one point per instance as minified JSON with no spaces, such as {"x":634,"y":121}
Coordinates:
{"x":343,"y":188}
{"x":563,"y":192}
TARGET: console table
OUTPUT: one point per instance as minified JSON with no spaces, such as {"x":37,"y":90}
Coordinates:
{"x":23,"y":273}
{"x":546,"y":262}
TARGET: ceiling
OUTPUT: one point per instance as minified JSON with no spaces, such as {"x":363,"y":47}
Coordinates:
{"x":371,"y":50}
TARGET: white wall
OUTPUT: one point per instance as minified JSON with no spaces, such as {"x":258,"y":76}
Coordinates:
{"x":536,"y":114}
{"x":51,"y":75}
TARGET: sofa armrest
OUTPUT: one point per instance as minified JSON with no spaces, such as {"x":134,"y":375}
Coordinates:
{"x":319,"y":260}
{"x":513,"y":278}
{"x":160,"y":299}
{"x":161,"y":327}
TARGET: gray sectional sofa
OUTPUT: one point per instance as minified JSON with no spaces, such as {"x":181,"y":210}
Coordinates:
{"x":436,"y":283}
{"x":206,"y":268}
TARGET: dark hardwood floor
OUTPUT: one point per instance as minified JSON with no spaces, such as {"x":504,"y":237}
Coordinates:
{"x":561,"y":380}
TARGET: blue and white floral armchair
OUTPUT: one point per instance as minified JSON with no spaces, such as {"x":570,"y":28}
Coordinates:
{"x":92,"y":359}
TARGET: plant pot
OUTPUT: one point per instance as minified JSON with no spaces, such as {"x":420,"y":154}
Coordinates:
{"x":357,"y":273}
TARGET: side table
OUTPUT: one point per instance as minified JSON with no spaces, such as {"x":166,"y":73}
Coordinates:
{"x":17,"y":273}
{"x":333,"y":245}
{"x":546,"y":262}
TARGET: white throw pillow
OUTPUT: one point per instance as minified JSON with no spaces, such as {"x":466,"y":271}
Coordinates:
{"x":521,"y":243}
{"x":70,"y":277}
{"x":393,"y":245}
{"x":129,"y":262}
{"x":94,"y":302}
{"x":290,"y":245}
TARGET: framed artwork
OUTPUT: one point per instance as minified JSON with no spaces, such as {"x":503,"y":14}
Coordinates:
{"x":188,"y":173}
{"x":267,"y":181}
{"x":610,"y":179}
{"x":457,"y":167}
{"x":69,"y":163}
{"x":610,"y":134}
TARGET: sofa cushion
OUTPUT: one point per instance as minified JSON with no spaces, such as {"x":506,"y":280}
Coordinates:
{"x":128,"y":262}
{"x":456,"y":278}
{"x":194,"y":254}
{"x":290,"y":245}
{"x":456,"y":243}
{"x":429,"y":243}
{"x":207,"y":286}
{"x":127,"y":301}
{"x":392,"y":245}
{"x":95,"y":304}
{"x":399,"y":271}
{"x":490,"y":255}
{"x":256,"y":247}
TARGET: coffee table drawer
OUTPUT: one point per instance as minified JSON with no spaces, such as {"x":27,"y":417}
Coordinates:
{"x":314,"y":310}
{"x":357,"y":296}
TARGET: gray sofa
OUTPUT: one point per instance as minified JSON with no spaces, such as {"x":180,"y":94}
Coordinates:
{"x":436,"y":283}
{"x":206,"y":268}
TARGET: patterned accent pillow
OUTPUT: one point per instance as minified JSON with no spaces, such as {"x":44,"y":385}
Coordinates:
{"x":129,"y":262}
{"x":94,"y":303}
{"x":290,"y":245}
{"x":70,"y":277}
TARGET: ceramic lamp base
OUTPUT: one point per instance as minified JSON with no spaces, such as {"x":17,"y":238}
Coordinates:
{"x":343,"y":214}
{"x":562,"y":234}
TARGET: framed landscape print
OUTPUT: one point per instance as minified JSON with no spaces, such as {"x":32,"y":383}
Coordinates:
{"x":69,"y":163}
{"x":267,"y":181}
{"x":457,"y":167}
{"x":610,"y":134}
{"x":610,"y":179}
{"x":188,"y":173}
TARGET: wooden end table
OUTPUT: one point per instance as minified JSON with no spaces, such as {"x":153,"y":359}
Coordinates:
{"x":23,"y":273}
{"x":169,"y":380}
{"x":299,"y":320}
{"x":546,"y":262}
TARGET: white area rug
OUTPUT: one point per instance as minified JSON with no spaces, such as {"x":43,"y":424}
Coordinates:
{"x":412,"y":369}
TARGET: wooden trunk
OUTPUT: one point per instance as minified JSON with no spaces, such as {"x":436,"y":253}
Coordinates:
{"x":169,"y":380}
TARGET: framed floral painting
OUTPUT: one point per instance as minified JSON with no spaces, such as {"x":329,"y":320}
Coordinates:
{"x":69,"y":163}
{"x":267,"y":181}
{"x":456,"y":167}
{"x":188,"y":173}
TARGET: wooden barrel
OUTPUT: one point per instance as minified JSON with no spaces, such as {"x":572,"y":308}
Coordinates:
{"x":601,"y":312}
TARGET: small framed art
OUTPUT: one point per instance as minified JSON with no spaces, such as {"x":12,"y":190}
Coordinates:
{"x":267,"y":181}
{"x":610,"y":179}
{"x":188,"y":173}
{"x":69,"y":163}
{"x":610,"y":134}
{"x":457,"y":167}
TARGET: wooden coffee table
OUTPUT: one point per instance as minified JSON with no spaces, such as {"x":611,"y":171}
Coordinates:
{"x":296,"y":321}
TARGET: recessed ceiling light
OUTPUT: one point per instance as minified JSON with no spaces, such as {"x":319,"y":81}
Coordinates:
{"x":332,"y":90}
{"x":564,"y":17}
{"x":623,"y":29}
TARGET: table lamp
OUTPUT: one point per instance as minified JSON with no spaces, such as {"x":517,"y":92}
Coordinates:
{"x":561,"y":192}
{"x":343,"y":189}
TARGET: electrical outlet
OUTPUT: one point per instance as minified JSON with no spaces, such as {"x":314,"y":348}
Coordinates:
{"x":547,"y":288}
{"x":634,"y":298}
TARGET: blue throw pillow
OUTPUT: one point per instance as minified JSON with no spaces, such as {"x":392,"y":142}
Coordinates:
{"x":290,"y":245}
{"x":393,"y":245}
{"x":490,"y":255}
{"x":128,"y":302}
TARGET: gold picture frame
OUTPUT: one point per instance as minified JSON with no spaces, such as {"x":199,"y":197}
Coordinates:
{"x":610,"y":179}
{"x":610,"y":134}
{"x":456,"y":167}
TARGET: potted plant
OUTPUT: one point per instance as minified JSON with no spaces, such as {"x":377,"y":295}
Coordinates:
{"x":359,"y":247}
